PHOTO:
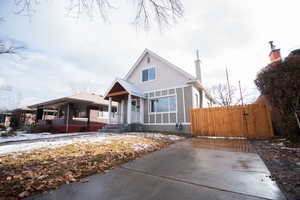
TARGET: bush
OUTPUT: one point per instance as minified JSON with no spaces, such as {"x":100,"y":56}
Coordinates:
{"x":280,"y":83}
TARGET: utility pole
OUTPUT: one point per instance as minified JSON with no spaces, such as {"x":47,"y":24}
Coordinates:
{"x":228,"y":85}
{"x":241,"y":93}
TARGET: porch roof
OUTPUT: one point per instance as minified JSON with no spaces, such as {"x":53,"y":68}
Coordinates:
{"x":80,"y":98}
{"x":129,"y":88}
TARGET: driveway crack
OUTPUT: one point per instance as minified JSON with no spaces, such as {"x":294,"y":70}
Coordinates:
{"x":190,"y":183}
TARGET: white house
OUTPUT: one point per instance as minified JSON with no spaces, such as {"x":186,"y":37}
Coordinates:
{"x":156,"y":95}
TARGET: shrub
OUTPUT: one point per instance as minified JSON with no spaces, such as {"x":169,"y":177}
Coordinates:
{"x":280,"y":83}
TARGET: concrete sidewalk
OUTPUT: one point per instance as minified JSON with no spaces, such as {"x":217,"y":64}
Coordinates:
{"x":193,"y":169}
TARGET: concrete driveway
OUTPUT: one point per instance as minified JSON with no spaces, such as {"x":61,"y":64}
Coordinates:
{"x":192,"y":169}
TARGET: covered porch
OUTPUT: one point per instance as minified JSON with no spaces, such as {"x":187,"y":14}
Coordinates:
{"x":77,"y":113}
{"x":131,"y":103}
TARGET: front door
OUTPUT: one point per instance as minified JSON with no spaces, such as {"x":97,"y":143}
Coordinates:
{"x":135,"y":111}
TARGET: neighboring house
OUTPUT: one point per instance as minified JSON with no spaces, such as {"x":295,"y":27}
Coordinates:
{"x":5,"y":119}
{"x":24,"y":116}
{"x":79,"y":112}
{"x":156,"y":95}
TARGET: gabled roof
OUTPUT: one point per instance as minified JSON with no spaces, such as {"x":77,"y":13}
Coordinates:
{"x":129,"y":87}
{"x":151,"y":53}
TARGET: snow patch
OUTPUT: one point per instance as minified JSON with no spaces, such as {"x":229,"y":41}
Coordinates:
{"x":51,"y":140}
{"x":141,"y":146}
{"x":22,"y":135}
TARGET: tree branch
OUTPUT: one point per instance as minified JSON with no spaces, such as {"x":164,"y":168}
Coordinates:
{"x":164,"y":12}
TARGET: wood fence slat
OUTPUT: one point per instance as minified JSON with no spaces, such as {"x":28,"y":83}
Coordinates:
{"x":230,"y":121}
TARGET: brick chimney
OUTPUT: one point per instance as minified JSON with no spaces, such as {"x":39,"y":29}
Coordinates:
{"x":275,"y":53}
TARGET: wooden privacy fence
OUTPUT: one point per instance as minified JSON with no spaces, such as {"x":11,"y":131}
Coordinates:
{"x":250,"y":121}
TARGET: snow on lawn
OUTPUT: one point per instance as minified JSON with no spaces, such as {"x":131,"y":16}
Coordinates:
{"x":155,"y":135}
{"x":22,"y":135}
{"x":27,"y":173}
{"x":105,"y":138}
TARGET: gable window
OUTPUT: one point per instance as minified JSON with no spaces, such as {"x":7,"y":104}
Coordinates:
{"x":164,"y":104}
{"x":148,"y":74}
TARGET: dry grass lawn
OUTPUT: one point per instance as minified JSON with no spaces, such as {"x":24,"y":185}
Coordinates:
{"x":26,"y":173}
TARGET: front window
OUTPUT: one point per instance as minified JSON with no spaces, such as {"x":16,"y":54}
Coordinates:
{"x":148,"y":74}
{"x":164,"y":104}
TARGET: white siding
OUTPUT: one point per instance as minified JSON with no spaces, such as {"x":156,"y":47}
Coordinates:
{"x":194,"y":93}
{"x":166,"y":77}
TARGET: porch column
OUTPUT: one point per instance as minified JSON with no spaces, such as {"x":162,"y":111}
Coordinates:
{"x":39,"y":114}
{"x":68,"y":115}
{"x":141,"y":110}
{"x":129,"y":109}
{"x":122,"y":112}
{"x":88,"y":113}
{"x":109,"y":111}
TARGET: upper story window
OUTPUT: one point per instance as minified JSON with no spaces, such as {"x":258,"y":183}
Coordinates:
{"x":148,"y":74}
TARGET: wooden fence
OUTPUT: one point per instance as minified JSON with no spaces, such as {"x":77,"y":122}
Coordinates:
{"x":250,"y":121}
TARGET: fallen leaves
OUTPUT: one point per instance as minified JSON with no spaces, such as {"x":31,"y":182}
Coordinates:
{"x":26,"y":173}
{"x":282,"y":162}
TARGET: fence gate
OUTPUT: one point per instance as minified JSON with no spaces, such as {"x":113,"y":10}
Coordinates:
{"x":250,"y":121}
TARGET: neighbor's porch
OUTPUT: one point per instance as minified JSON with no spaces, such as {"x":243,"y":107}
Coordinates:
{"x":73,"y":115}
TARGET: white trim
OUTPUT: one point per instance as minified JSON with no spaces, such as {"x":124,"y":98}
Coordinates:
{"x":122,"y":111}
{"x":142,"y":111}
{"x":152,"y":124}
{"x":148,"y":111}
{"x":109,"y":110}
{"x":129,"y":109}
{"x":168,"y":104}
{"x":175,"y":87}
{"x":183,"y":101}
{"x":157,"y":97}
{"x":147,"y":68}
{"x":169,"y":108}
{"x":152,"y":113}
{"x":147,"y":51}
{"x":176,"y":120}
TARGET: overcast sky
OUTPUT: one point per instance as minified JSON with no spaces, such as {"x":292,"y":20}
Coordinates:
{"x":63,"y":53}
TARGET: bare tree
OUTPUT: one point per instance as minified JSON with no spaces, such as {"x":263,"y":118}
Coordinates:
{"x":9,"y":48}
{"x":164,"y":12}
{"x":226,"y":95}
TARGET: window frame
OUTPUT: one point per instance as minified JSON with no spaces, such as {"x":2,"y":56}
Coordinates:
{"x":169,"y":106}
{"x":155,"y":73}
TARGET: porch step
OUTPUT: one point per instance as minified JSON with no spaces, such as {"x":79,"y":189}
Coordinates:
{"x":119,"y":128}
{"x":114,"y":128}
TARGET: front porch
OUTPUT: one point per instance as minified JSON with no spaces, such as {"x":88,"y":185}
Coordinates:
{"x":77,"y":113}
{"x":131,"y":102}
